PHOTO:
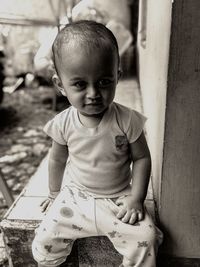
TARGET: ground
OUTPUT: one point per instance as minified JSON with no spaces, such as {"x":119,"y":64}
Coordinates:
{"x":22,"y":141}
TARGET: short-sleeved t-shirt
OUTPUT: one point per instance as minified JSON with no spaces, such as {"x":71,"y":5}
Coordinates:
{"x":99,"y":157}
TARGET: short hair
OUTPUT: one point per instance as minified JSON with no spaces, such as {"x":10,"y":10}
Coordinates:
{"x":89,"y":33}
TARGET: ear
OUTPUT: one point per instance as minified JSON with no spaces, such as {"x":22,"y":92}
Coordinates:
{"x":119,"y":74}
{"x":58,"y":84}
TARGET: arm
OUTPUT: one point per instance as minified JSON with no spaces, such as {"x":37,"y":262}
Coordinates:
{"x":57,"y":162}
{"x":141,"y":168}
{"x":43,"y":57}
{"x":43,"y":63}
{"x":132,"y":205}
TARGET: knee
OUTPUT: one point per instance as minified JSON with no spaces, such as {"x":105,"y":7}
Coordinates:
{"x":46,"y":255}
{"x":128,"y":262}
{"x":152,"y":237}
{"x":46,"y":260}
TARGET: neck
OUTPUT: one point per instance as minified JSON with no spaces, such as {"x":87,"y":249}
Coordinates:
{"x":90,"y":121}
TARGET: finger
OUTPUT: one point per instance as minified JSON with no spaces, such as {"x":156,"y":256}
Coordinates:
{"x":133,"y":218}
{"x":43,"y":202}
{"x":119,"y":201}
{"x":45,"y":205}
{"x":43,"y":208}
{"x":140,"y":216}
{"x":121,"y":213}
{"x":47,"y":208}
{"x":47,"y":200}
{"x":126,"y":217}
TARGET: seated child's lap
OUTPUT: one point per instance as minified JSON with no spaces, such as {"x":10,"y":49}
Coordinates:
{"x":76,"y":214}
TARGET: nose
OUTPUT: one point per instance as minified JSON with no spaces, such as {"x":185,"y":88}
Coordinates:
{"x":92,"y":92}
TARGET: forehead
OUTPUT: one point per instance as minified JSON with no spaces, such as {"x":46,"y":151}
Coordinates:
{"x":75,"y":54}
{"x":88,"y":44}
{"x":89,"y":41}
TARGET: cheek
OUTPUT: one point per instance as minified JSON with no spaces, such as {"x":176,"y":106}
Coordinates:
{"x":109,"y":93}
{"x":75,"y":98}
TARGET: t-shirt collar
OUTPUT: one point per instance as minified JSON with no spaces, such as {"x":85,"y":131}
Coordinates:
{"x":104,"y":123}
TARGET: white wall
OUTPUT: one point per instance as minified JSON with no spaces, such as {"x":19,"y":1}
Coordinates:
{"x":153,"y":54}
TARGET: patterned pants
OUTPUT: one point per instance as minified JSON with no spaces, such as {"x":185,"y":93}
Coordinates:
{"x":76,"y":214}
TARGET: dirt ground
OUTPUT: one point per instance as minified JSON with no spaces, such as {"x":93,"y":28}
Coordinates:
{"x":22,"y":141}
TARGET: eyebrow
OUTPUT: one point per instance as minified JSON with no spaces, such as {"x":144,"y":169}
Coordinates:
{"x":81,"y":78}
{"x":76,"y":79}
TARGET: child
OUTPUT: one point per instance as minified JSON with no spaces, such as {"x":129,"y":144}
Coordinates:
{"x":101,"y":139}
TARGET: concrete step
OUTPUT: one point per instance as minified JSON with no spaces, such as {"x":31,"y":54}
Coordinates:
{"x":3,"y":255}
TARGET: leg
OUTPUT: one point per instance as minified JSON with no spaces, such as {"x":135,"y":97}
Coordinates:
{"x":141,"y":246}
{"x":70,"y":217}
{"x":137,"y":243}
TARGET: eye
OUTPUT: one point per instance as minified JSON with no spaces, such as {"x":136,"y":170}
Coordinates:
{"x":80,"y":84}
{"x":104,"y":82}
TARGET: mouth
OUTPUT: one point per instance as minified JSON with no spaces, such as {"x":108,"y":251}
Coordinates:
{"x":94,"y":104}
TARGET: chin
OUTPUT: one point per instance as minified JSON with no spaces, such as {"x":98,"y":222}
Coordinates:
{"x":94,"y":113}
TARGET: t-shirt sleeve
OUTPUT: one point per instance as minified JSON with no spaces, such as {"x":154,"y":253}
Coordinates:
{"x":54,"y":129}
{"x":136,"y":125}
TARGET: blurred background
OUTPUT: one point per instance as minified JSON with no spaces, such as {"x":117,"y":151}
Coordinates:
{"x":28,"y":28}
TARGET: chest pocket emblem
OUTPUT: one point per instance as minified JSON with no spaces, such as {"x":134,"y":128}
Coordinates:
{"x":121,"y":142}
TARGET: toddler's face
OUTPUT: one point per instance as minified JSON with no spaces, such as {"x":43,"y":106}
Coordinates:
{"x":89,"y":79}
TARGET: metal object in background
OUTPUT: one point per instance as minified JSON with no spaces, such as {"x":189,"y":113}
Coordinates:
{"x":6,"y":191}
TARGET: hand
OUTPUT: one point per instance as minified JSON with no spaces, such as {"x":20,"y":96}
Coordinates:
{"x":131,"y":211}
{"x":46,"y":204}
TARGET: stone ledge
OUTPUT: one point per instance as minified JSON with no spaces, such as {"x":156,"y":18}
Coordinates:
{"x":3,"y":255}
